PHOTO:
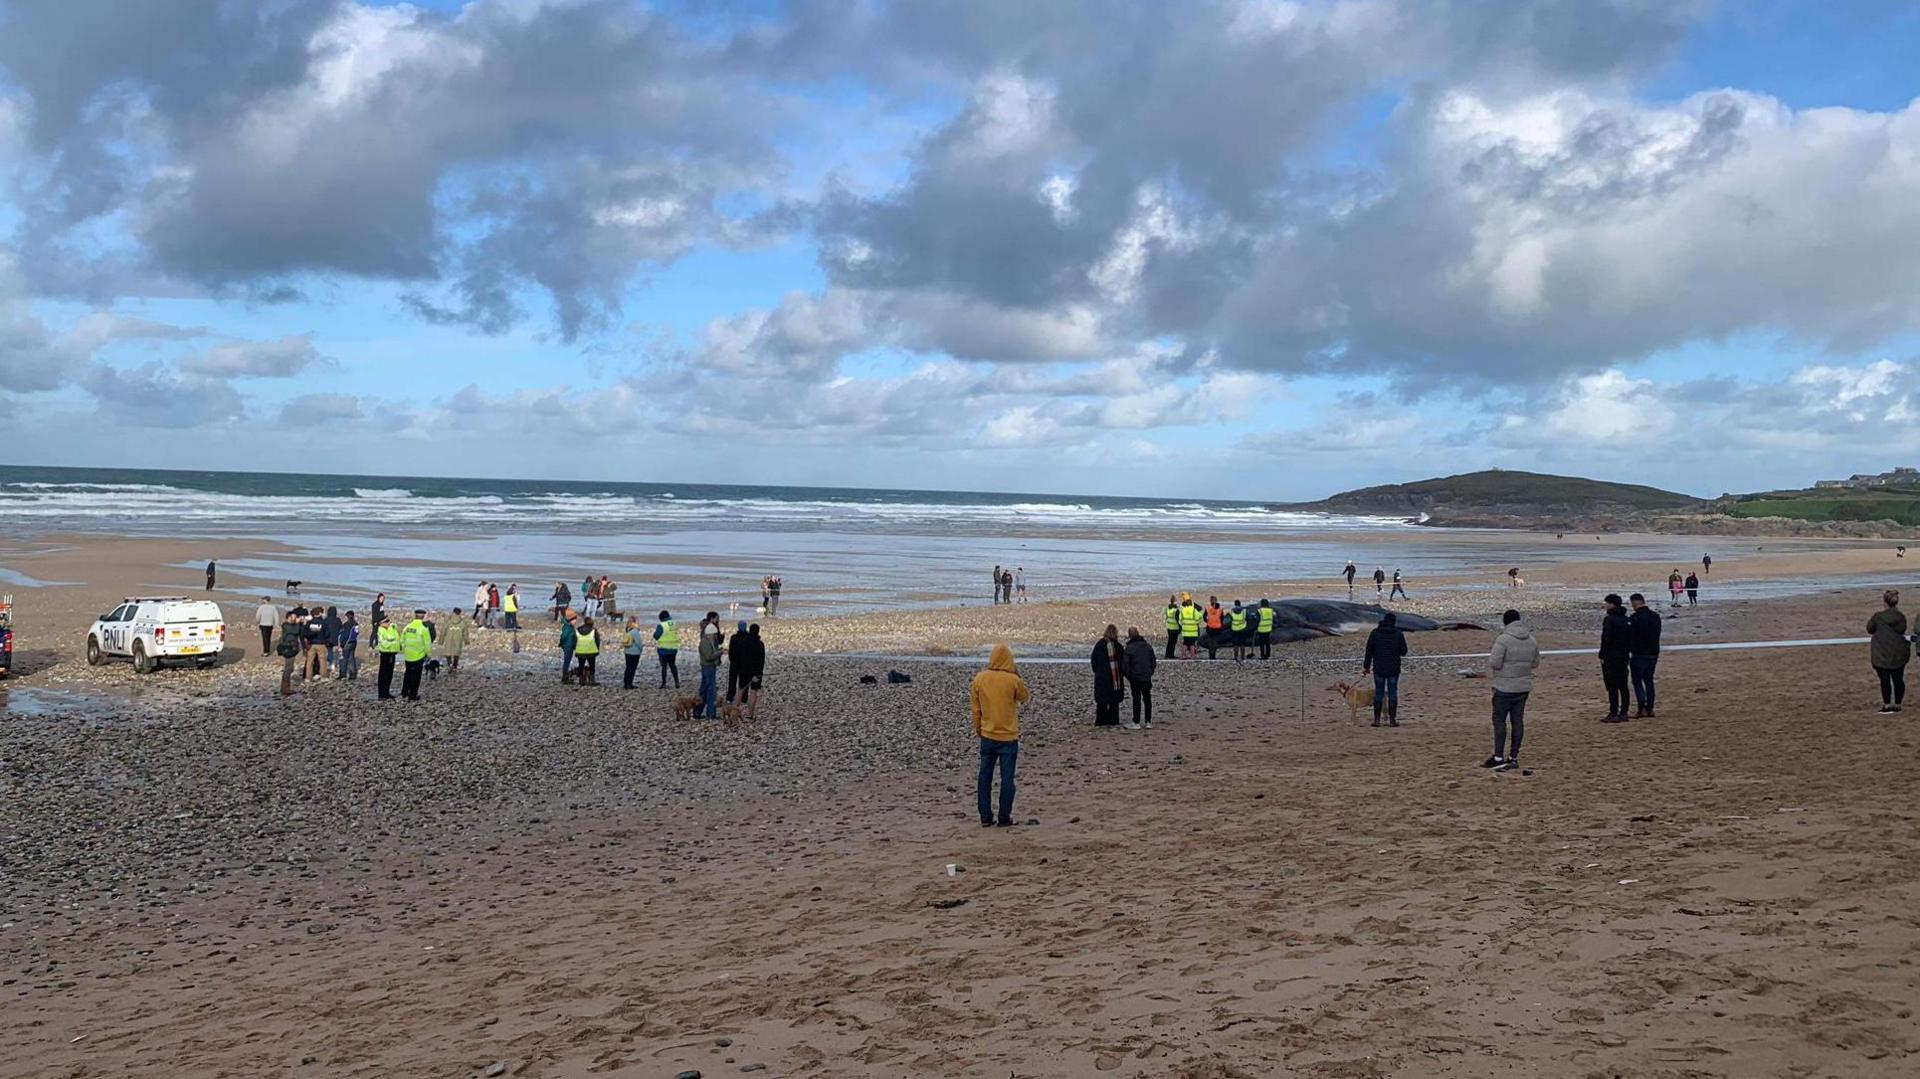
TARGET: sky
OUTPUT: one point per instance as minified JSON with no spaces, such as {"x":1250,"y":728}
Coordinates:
{"x":1248,"y":249}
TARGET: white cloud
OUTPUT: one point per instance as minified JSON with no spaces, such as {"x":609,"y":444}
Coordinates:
{"x":1607,"y":409}
{"x":283,"y":357}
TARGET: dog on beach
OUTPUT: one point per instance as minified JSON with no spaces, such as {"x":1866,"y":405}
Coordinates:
{"x":685,"y":707}
{"x":433,"y":670}
{"x":730,"y":714}
{"x":1357,"y":697}
{"x":293,"y":588}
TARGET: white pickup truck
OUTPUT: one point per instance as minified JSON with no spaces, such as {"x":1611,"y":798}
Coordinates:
{"x":157,"y":630}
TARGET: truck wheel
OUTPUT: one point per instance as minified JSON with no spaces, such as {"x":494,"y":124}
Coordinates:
{"x":141,"y":662}
{"x":94,"y":658}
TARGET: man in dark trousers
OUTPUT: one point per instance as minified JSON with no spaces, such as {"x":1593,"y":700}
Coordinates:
{"x":416,"y":644}
{"x":1643,"y":652}
{"x":1706,"y":565}
{"x":386,"y":643}
{"x":1615,"y":633}
{"x":1348,"y":573}
{"x":211,"y":568}
{"x":1385,"y":645}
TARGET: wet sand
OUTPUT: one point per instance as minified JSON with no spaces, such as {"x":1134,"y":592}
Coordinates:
{"x":566,"y":882}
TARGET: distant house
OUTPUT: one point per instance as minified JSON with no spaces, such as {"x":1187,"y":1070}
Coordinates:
{"x":1902,"y":476}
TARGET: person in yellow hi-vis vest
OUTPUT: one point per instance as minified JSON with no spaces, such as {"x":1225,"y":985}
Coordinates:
{"x":1173,"y":624}
{"x":386,"y":642}
{"x":586,"y":654}
{"x":510,"y":605}
{"x":1189,"y":627}
{"x":1263,"y":629}
{"x":1237,"y":630}
{"x":416,"y":643}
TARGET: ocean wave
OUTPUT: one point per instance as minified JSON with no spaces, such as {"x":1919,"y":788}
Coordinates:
{"x":157,"y":508}
{"x":88,"y":487}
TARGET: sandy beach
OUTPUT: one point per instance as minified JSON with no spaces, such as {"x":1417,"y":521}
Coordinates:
{"x":515,"y":877}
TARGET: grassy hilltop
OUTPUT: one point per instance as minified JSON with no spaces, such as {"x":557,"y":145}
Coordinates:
{"x":1505,"y":495}
{"x":1896,"y":504}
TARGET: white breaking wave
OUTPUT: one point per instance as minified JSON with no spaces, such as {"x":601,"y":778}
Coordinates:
{"x":159,"y":507}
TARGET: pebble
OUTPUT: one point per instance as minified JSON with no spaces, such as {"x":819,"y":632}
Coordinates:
{"x":723,"y":1042}
{"x":690,"y":1073}
{"x":496,"y":1069}
{"x":753,"y":1067}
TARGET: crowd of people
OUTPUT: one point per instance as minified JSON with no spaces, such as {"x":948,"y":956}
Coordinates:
{"x":1245,"y":630}
{"x":319,"y":645}
{"x":1009,"y":584}
{"x":1629,"y":655}
{"x":489,"y":604}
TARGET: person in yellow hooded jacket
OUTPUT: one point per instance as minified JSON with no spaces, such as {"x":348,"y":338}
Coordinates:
{"x":997,"y":694}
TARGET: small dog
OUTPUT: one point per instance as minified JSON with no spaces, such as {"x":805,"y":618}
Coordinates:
{"x":730,"y":713}
{"x":433,"y":670}
{"x":1357,"y":697}
{"x":685,"y":707}
{"x":293,"y":588}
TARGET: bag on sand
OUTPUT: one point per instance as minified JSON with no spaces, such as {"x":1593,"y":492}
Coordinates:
{"x":869,"y":680}
{"x":516,"y":644}
{"x":895,"y":678}
{"x":287,"y":648}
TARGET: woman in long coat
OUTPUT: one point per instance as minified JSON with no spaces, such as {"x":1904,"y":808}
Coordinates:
{"x":1889,"y":651}
{"x":1107,"y":679}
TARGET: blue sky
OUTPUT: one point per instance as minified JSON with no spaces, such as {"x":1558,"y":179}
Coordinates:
{"x":1249,"y":250}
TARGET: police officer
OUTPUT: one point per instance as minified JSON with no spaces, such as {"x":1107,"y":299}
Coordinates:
{"x":1237,"y":630}
{"x":1263,"y":629}
{"x":1173,"y":624}
{"x":416,"y":642}
{"x":386,"y":642}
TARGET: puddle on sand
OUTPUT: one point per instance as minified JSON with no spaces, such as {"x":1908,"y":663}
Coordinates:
{"x":35,"y":701}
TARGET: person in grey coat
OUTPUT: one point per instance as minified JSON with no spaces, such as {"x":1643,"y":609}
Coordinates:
{"x":1515,"y":657}
{"x":1138,"y":663}
{"x":1889,"y":651}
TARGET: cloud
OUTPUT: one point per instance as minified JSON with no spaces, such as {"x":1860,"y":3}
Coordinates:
{"x":154,"y":396}
{"x":282,"y":357}
{"x":1562,"y":233}
{"x":326,"y":408}
{"x":1607,"y":409}
{"x":558,"y":145}
{"x":562,"y":410}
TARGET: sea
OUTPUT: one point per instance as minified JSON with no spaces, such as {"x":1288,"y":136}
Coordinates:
{"x":429,"y":539}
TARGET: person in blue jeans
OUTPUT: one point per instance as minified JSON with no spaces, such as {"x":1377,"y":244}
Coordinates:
{"x":1643,"y":652}
{"x":710,"y":653}
{"x":1385,"y":645}
{"x":349,"y":647}
{"x":996,"y":696}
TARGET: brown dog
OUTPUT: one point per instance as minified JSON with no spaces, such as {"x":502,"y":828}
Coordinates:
{"x":730,"y":713}
{"x":685,"y":707}
{"x":1357,"y":697}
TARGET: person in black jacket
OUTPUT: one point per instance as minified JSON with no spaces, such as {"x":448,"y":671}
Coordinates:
{"x":1615,"y":633}
{"x":1107,"y":678}
{"x":1385,"y":645}
{"x":1643,"y":652}
{"x":1138,"y":662}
